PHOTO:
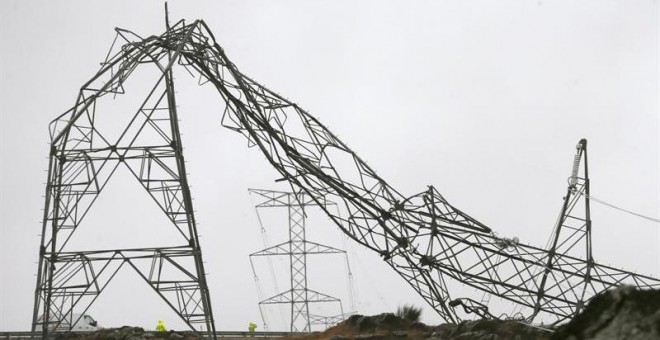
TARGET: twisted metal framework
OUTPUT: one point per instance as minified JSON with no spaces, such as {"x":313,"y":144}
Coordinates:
{"x":83,"y":158}
{"x":422,"y":237}
{"x":297,"y":248}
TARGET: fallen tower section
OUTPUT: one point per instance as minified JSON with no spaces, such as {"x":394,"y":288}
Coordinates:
{"x":424,"y":238}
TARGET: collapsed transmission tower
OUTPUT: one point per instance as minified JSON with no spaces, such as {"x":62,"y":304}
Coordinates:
{"x":297,"y":248}
{"x":82,"y":161}
{"x":422,"y":237}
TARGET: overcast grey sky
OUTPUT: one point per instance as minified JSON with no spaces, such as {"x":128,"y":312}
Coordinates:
{"x":484,"y":100}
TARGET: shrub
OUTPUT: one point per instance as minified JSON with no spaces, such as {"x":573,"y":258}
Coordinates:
{"x":409,"y":312}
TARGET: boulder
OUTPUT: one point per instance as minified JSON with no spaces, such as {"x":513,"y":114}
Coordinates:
{"x":622,"y":313}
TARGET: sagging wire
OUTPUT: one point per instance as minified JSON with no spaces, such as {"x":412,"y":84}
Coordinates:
{"x":352,"y":289}
{"x":266,"y":243}
{"x":260,"y":295}
{"x":591,"y":197}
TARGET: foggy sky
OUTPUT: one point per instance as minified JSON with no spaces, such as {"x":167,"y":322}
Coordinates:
{"x":484,"y":101}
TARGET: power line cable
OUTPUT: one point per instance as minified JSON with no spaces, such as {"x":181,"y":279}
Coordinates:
{"x":591,"y":197}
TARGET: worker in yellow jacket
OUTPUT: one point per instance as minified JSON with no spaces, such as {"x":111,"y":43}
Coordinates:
{"x":160,"y":326}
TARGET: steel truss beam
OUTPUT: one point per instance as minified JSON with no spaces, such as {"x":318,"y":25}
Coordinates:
{"x":296,"y":248}
{"x":423,"y":237}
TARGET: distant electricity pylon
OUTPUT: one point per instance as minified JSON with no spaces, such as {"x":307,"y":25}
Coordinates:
{"x":299,"y":296}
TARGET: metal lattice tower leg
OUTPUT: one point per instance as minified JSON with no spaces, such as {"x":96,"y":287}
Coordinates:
{"x":571,"y":236}
{"x":82,"y":160}
{"x":296,"y":248}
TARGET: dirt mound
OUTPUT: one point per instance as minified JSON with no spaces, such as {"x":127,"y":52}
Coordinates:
{"x":389,"y":326}
{"x":125,"y":333}
{"x":622,"y":313}
{"x":489,"y":330}
{"x":381,"y":326}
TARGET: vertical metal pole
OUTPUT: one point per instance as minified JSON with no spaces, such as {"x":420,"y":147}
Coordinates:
{"x":589,"y":254}
{"x":291,"y":277}
{"x":42,"y":247}
{"x":192,"y":228}
{"x":53,"y":242}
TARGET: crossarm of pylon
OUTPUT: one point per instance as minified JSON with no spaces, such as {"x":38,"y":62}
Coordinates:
{"x":285,"y":297}
{"x":317,"y":248}
{"x":315,"y":296}
{"x":279,"y":249}
{"x":274,"y":198}
{"x":308,"y":246}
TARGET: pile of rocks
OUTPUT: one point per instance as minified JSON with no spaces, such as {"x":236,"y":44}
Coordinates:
{"x":622,"y":313}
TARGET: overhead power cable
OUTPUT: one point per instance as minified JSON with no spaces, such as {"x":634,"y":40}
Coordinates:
{"x":591,"y":197}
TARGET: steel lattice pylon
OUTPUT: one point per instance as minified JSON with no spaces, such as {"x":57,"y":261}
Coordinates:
{"x":572,"y":235}
{"x":299,"y":296}
{"x":82,"y":160}
{"x":424,"y":238}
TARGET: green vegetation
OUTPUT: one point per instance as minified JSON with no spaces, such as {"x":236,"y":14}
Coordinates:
{"x":409,"y":312}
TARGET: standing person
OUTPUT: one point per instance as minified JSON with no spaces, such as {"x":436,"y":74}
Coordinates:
{"x":160,"y":326}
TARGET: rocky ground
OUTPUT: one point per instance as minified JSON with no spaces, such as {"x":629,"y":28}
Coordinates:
{"x":388,"y":326}
{"x":127,"y":333}
{"x":622,"y":313}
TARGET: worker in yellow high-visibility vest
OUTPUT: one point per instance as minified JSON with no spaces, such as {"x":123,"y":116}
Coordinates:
{"x":251,"y":327}
{"x":160,"y":326}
